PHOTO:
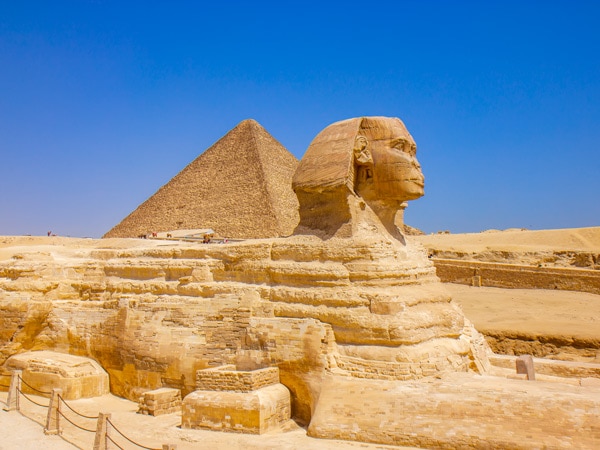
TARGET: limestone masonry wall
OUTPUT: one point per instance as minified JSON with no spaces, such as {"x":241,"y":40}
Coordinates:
{"x":517,"y":276}
{"x":153,"y":316}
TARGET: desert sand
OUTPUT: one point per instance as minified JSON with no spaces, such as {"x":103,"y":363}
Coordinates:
{"x":534,"y":311}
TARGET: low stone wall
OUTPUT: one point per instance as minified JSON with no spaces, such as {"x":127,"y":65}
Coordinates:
{"x":517,"y":276}
{"x":386,"y":370}
{"x":564,"y":369}
{"x":253,"y":412}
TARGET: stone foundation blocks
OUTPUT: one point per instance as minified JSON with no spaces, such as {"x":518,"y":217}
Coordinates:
{"x":237,"y":401}
{"x":160,"y":401}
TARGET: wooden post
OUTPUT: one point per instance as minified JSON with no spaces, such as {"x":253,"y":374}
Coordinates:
{"x":12,"y":403}
{"x":524,"y":365}
{"x":101,"y":431}
{"x":53,"y":417}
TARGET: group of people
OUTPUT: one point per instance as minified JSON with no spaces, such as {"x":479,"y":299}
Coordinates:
{"x":207,"y":239}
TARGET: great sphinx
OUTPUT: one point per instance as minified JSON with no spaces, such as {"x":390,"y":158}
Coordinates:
{"x":346,"y":294}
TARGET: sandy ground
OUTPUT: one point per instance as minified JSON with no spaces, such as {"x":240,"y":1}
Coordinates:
{"x":535,"y":311}
{"x":24,"y":431}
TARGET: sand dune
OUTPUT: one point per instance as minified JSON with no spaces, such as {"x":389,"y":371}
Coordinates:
{"x":566,"y":239}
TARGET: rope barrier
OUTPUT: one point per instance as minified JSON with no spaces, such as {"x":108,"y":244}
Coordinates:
{"x":133,"y":442}
{"x":5,"y":386}
{"x":32,"y":401}
{"x":74,"y":424}
{"x":32,"y":388}
{"x":111,"y":440}
{"x":76,"y":412}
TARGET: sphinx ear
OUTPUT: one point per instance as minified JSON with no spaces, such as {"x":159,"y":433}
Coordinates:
{"x":362,"y":155}
{"x":363,"y":162}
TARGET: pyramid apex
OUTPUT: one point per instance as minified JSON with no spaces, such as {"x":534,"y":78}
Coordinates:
{"x":249,"y":122}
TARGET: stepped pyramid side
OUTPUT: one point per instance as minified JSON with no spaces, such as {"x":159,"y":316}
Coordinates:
{"x":240,"y":187}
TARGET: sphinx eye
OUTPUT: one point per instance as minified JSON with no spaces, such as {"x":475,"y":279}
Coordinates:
{"x":398,"y":144}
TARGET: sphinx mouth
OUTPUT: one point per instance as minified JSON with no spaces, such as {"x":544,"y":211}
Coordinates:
{"x":417,"y":182}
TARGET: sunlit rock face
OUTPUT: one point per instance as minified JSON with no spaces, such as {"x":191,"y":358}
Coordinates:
{"x":344,"y":295}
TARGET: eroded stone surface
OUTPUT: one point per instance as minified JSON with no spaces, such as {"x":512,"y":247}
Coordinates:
{"x":459,"y":411}
{"x":78,"y":377}
{"x":152,"y":315}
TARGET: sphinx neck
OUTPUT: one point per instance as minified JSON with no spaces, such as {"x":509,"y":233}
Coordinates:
{"x":391,"y":215}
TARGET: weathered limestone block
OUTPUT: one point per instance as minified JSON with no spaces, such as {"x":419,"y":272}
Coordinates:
{"x":459,"y":411}
{"x":78,"y":377}
{"x":239,"y":401}
{"x":160,"y":401}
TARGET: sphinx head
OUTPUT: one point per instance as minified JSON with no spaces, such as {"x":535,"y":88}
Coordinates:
{"x":357,"y":162}
{"x":392,"y":173}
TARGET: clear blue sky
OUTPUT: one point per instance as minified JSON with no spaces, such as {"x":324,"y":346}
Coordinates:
{"x":103,"y":102}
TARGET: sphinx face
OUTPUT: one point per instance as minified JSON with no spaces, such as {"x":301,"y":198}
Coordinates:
{"x":396,"y":172}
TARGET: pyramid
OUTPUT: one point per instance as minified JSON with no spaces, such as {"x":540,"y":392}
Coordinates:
{"x":240,"y":187}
